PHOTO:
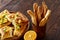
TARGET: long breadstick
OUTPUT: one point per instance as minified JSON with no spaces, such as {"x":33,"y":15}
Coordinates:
{"x":45,"y":8}
{"x":39,"y":12}
{"x":35,"y":7}
{"x":44,"y":20}
{"x":33,"y":18}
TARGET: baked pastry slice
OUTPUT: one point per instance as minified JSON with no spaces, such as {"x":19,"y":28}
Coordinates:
{"x":6,"y":32}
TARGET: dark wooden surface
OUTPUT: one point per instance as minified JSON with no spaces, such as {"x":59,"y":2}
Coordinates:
{"x":53,"y":25}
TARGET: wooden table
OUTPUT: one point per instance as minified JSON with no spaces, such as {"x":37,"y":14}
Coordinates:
{"x":53,"y":25}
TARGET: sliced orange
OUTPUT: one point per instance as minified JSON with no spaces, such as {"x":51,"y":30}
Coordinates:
{"x":30,"y":35}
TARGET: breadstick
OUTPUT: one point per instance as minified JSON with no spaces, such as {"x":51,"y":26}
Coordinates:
{"x":44,"y":20}
{"x":35,"y":7}
{"x":33,"y":18}
{"x":39,"y":13}
{"x":45,"y":8}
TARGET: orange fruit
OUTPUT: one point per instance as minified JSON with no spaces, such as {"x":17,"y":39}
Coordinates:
{"x":30,"y":35}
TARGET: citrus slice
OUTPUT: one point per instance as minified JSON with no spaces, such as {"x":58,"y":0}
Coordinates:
{"x":30,"y":35}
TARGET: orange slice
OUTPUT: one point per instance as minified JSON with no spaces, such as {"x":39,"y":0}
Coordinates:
{"x":30,"y":35}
